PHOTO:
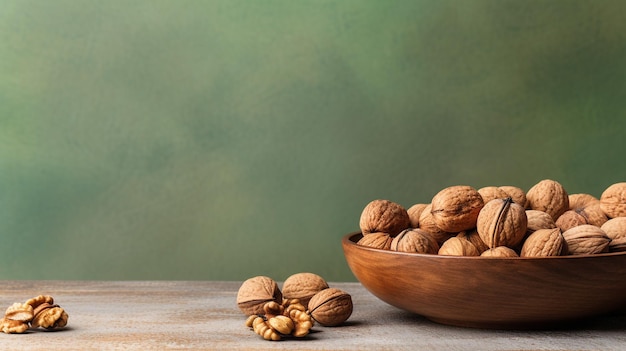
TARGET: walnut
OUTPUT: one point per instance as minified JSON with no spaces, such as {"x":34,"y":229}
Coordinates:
{"x":415,"y":240}
{"x":19,"y":312}
{"x":49,"y":316}
{"x":500,"y":251}
{"x":383,"y":216}
{"x":330,"y":307}
{"x":586,"y":239}
{"x":458,"y":247}
{"x":581,"y":200}
{"x":376,"y":240}
{"x":489,"y":193}
{"x":517,"y":194}
{"x":543,"y":242}
{"x":303,"y":286}
{"x":456,"y":208}
{"x":255,"y":292}
{"x":415,"y":212}
{"x":591,"y":214}
{"x":617,"y":245}
{"x":615,"y":229}
{"x":427,"y":223}
{"x":538,"y":220}
{"x":10,"y":326}
{"x":473,"y":237}
{"x":502,"y":223}
{"x":548,"y":196}
{"x":613,"y":200}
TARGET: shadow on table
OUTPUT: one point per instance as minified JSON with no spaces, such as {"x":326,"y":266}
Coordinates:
{"x":615,"y":321}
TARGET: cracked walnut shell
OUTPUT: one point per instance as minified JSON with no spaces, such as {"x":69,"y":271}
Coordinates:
{"x":255,"y":292}
{"x":456,"y":208}
{"x":383,"y":216}
{"x":330,"y":307}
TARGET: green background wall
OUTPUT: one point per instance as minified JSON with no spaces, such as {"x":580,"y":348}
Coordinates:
{"x":225,"y":139}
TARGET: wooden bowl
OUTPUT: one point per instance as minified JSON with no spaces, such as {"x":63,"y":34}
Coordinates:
{"x":494,"y":293}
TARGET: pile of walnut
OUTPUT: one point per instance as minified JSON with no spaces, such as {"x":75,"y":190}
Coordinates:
{"x":37,"y":312}
{"x":501,"y":221}
{"x":305,"y":298}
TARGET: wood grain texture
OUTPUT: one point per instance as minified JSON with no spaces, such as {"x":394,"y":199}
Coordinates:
{"x":201,"y":315}
{"x":499,"y":293}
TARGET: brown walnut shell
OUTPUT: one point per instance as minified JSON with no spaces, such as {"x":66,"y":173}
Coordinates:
{"x":427,"y":223}
{"x":548,"y":196}
{"x":502,"y":223}
{"x":500,"y":251}
{"x":416,"y":241}
{"x":517,"y":194}
{"x":303,"y":286}
{"x":456,"y":208}
{"x":376,"y":240}
{"x":538,"y":220}
{"x":591,"y":214}
{"x":586,"y":239}
{"x":543,"y":242}
{"x":255,"y":292}
{"x":458,"y":247}
{"x":330,"y":307}
{"x":383,"y":216}
{"x":570,"y":219}
{"x":613,"y":200}
{"x":615,"y":229}
{"x":489,"y":193}
{"x":473,"y":237}
{"x":415,"y":212}
{"x":581,"y":200}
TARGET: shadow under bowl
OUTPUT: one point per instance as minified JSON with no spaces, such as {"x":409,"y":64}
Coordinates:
{"x":489,"y":292}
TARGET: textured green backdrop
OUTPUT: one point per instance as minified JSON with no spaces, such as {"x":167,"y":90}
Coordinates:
{"x":225,"y":139}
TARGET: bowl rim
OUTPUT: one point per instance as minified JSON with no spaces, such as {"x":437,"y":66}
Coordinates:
{"x":347,"y":240}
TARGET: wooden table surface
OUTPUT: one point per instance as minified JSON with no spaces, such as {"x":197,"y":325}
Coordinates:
{"x":202,"y":315}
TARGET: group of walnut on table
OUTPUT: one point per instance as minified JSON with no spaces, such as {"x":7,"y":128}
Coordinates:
{"x":37,"y":312}
{"x":305,"y":299}
{"x":501,"y":221}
